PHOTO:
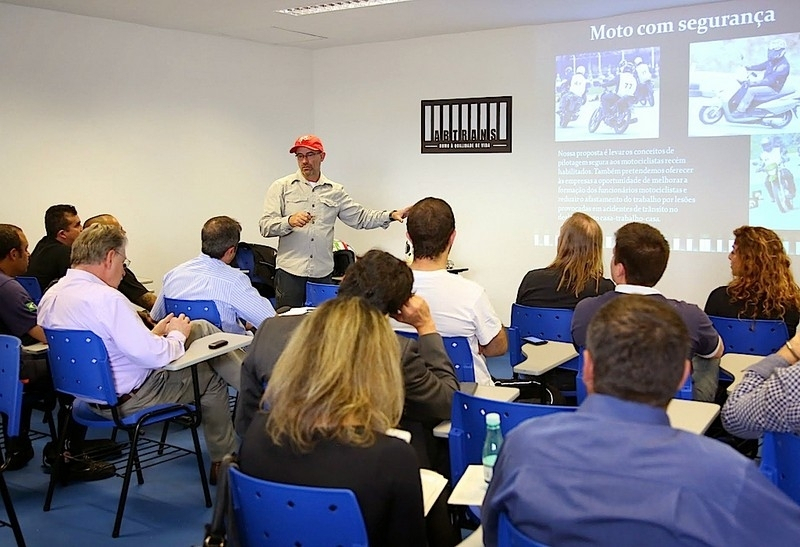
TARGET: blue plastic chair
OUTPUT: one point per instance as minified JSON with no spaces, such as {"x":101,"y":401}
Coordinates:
{"x":11,"y":406}
{"x":317,"y":293}
{"x":509,"y":536}
{"x":195,"y":309}
{"x":80,"y":367}
{"x":780,"y":462}
{"x":459,"y":352}
{"x":751,"y":336}
{"x":31,"y":284}
{"x":269,"y":513}
{"x":468,"y":426}
{"x":686,"y":392}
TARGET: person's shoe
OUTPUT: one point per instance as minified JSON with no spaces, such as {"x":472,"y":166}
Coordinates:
{"x":20,"y":452}
{"x":102,"y":449}
{"x":213,"y":472}
{"x":85,"y":469}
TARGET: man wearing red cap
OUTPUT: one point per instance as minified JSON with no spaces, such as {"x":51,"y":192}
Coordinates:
{"x":301,"y":210}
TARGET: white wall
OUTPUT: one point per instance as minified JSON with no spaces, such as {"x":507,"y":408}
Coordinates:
{"x":163,"y":129}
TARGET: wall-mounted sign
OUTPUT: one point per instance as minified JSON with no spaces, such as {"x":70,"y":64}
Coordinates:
{"x":455,"y":126}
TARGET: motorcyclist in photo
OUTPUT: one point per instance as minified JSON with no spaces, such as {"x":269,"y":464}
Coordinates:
{"x":625,"y":88}
{"x":773,"y":158}
{"x":776,"y":70}
{"x":643,"y":76}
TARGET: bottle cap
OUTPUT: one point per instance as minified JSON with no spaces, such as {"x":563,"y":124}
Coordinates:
{"x":493,"y":418}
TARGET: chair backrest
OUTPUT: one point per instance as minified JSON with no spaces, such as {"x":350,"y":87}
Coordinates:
{"x":79,"y":365}
{"x":459,"y":352}
{"x":270,"y":513}
{"x":259,"y":262}
{"x":686,"y":392}
{"x":195,"y":309}
{"x":780,"y":462}
{"x":10,"y":386}
{"x":751,"y":336}
{"x":545,"y":323}
{"x":468,"y":426}
{"x":31,"y":284}
{"x":317,"y":293}
{"x":509,"y":536}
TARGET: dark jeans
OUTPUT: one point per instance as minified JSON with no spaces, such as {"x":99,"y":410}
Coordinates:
{"x":290,"y":290}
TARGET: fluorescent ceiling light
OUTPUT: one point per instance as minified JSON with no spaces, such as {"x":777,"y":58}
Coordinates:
{"x":336,"y":6}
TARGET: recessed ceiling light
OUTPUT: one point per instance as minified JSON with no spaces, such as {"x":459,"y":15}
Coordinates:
{"x":336,"y":6}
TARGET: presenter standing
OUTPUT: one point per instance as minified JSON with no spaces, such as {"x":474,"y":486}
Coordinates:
{"x":301,"y":210}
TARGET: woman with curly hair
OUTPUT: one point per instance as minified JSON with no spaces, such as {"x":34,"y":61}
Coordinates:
{"x":763,"y":286}
{"x":576,"y":272}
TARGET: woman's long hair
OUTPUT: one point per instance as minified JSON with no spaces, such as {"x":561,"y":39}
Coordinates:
{"x":338,"y":378}
{"x":579,"y":255}
{"x":764,"y":280}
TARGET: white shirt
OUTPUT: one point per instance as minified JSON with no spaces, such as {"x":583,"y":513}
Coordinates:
{"x":82,"y":301}
{"x":460,"y":307}
{"x":577,"y":85}
{"x":206,"y":278}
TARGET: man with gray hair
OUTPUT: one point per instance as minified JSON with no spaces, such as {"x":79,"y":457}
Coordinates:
{"x":210,"y":276}
{"x":87,"y":299}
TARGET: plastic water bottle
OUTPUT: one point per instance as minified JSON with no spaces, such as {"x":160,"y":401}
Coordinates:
{"x":491,"y":445}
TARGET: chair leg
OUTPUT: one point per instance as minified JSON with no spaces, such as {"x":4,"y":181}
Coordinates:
{"x":161,"y":442}
{"x":200,"y":465}
{"x":12,"y":515}
{"x":133,"y":455}
{"x":57,"y":469}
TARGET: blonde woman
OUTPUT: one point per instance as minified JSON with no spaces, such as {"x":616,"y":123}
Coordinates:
{"x":335,"y":390}
{"x":763,"y":286}
{"x":575,"y":274}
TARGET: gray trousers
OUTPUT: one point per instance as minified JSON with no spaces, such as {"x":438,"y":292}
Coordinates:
{"x":164,"y":386}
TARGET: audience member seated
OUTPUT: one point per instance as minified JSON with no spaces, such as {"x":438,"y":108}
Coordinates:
{"x":768,"y":397}
{"x":210,"y":276}
{"x":614,"y":472}
{"x":86,"y":298}
{"x":130,"y":286}
{"x":575,"y":274}
{"x":460,"y":307}
{"x":334,"y":392}
{"x":639,"y":260}
{"x":18,"y":314}
{"x":763,"y":286}
{"x":428,"y":376}
{"x":50,"y":258}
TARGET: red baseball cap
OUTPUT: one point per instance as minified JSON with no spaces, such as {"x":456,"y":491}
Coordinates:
{"x":307,"y":141}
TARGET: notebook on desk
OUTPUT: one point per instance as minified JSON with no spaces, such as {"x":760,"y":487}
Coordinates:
{"x":467,"y":387}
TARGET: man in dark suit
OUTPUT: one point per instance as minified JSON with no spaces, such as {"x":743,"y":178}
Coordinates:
{"x":430,"y":380}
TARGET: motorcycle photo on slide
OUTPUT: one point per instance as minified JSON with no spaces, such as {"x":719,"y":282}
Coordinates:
{"x":569,"y":106}
{"x":613,"y":111}
{"x":775,"y":113}
{"x":780,"y":184}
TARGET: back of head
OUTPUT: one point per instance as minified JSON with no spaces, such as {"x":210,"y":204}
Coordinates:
{"x":105,"y":218}
{"x":9,"y":239}
{"x":219,"y":234}
{"x":338,"y":378}
{"x":579,"y":255}
{"x":55,"y":218}
{"x":639,"y":346}
{"x":763,"y":277}
{"x":94,"y":243}
{"x":643,"y":251}
{"x":381,"y":279}
{"x":430,"y":224}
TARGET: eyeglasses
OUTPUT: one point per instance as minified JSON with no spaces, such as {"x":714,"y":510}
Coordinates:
{"x":307,"y":156}
{"x":125,"y":260}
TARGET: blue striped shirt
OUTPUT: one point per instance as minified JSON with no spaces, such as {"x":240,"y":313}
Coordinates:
{"x":206,"y":278}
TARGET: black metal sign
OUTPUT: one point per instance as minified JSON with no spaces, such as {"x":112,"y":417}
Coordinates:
{"x":457,"y":126}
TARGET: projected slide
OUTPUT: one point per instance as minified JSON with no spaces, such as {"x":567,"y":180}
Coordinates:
{"x":686,"y":119}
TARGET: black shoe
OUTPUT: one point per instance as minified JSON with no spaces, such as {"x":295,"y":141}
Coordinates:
{"x":85,"y":469}
{"x":102,"y":449}
{"x":20,"y":452}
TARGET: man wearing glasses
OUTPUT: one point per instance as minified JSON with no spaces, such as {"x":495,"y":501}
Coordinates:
{"x":301,"y":210}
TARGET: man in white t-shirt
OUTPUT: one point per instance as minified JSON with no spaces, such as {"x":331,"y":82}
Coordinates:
{"x":460,"y":307}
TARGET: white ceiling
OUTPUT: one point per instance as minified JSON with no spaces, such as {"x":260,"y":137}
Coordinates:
{"x":256,"y":20}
